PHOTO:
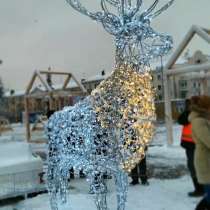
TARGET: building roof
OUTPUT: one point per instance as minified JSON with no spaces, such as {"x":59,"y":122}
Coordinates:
{"x":16,"y":93}
{"x":97,"y":77}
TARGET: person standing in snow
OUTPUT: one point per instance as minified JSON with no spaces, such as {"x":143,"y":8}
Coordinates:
{"x":188,"y":144}
{"x":200,"y":120}
{"x":140,"y":171}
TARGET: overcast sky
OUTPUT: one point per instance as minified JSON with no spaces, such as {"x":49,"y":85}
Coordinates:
{"x":36,"y":34}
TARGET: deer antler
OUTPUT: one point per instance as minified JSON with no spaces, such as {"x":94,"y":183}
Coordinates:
{"x":162,"y":9}
{"x":108,"y":19}
{"x":149,"y":10}
{"x":78,"y":6}
{"x":147,"y":14}
{"x":114,"y":3}
{"x":152,"y":7}
{"x":103,"y":6}
{"x":136,"y":9}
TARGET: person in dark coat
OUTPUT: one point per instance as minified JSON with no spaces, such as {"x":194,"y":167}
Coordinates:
{"x":140,"y":171}
{"x":189,"y":145}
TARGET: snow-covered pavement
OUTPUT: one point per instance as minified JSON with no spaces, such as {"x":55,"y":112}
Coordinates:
{"x":159,"y":195}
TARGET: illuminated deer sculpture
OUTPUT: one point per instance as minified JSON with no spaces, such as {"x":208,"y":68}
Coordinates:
{"x":107,"y":131}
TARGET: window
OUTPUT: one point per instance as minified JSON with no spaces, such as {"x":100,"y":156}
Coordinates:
{"x":183,"y":94}
{"x":183,"y":84}
{"x":159,"y":87}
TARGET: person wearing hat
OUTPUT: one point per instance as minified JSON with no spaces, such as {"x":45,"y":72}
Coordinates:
{"x":200,"y":120}
{"x":188,"y":144}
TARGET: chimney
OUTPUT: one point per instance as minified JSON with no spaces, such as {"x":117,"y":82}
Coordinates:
{"x":103,"y":73}
{"x":49,"y":78}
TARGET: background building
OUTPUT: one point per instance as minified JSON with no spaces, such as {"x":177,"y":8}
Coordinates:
{"x":187,"y":85}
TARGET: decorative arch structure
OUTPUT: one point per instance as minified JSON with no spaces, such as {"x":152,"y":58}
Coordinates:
{"x":49,"y":91}
{"x":170,"y":70}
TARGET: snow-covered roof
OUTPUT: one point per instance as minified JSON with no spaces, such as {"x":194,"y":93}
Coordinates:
{"x":71,"y":84}
{"x":16,"y":93}
{"x":40,"y":87}
{"x":97,"y":77}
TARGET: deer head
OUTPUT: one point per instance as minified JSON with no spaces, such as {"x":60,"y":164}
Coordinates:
{"x":136,"y":41}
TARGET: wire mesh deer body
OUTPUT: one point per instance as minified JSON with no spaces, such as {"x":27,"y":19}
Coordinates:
{"x":108,"y":131}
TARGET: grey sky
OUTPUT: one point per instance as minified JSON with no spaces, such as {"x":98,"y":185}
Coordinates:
{"x":35,"y":34}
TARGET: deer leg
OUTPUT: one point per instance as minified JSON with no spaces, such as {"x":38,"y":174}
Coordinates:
{"x":57,"y":180}
{"x":98,"y":187}
{"x":121,"y":182}
{"x":52,"y":185}
{"x":63,"y":184}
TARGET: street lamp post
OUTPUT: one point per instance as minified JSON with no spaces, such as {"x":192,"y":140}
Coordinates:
{"x":1,"y":86}
{"x":161,"y":69}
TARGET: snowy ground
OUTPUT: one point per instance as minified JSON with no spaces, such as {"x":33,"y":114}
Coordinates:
{"x":169,"y":183}
{"x":159,"y":195}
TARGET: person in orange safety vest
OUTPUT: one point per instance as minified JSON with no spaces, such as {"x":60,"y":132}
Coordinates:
{"x":187,"y":134}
